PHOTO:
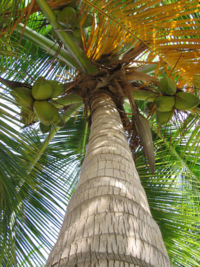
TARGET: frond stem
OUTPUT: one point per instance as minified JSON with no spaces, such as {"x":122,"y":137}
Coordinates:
{"x":49,"y":46}
{"x":76,"y":52}
{"x":84,"y":138}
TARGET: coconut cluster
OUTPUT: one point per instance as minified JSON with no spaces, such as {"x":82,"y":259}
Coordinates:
{"x":37,"y":104}
{"x":69,"y":18}
{"x":46,"y":102}
{"x":172,"y":99}
{"x":42,"y":92}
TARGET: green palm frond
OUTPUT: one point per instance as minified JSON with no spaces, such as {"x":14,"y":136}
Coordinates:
{"x":15,"y":49}
{"x":173,"y":191}
{"x":23,"y":68}
{"x":10,"y":12}
{"x":43,"y":193}
{"x":26,"y":197}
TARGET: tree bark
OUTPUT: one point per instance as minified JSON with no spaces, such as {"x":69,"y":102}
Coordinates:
{"x":108,"y":220}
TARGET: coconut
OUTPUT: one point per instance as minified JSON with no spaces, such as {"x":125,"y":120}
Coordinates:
{"x":164,"y":103}
{"x":23,"y":96}
{"x":88,"y":22}
{"x":46,"y":112}
{"x":67,"y":16}
{"x":184,"y":101}
{"x":69,"y":99}
{"x":163,"y":117}
{"x":167,"y":85}
{"x":44,"y":128}
{"x":42,"y":90}
{"x":57,"y":88}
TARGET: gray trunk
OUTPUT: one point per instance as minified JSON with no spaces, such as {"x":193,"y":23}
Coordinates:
{"x":108,"y":221}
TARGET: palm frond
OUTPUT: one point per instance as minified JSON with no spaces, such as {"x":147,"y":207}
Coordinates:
{"x":169,"y":30}
{"x":16,"y":48}
{"x":28,"y":197}
{"x":173,"y":190}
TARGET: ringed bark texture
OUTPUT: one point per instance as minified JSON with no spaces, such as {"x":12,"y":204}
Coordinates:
{"x":108,"y":221}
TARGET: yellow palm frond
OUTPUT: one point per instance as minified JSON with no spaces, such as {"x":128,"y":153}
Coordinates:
{"x":170,"y":31}
{"x":105,"y":38}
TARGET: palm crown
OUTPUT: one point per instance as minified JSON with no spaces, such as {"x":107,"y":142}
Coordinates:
{"x":142,"y":52}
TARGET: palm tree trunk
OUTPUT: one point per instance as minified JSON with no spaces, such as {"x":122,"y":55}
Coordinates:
{"x":108,"y":221}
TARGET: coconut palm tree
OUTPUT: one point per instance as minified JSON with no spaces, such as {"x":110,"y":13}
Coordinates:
{"x":130,"y":68}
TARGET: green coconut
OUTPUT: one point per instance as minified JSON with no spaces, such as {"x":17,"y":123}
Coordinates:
{"x":67,"y":16}
{"x":45,"y":128}
{"x":23,"y":97}
{"x":163,"y":117}
{"x":167,"y":86}
{"x":164,"y":103}
{"x":42,"y":89}
{"x":68,"y":100}
{"x":46,"y":112}
{"x":73,"y":3}
{"x":76,"y":35}
{"x":184,"y":101}
{"x":88,"y":22}
{"x":57,"y":88}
